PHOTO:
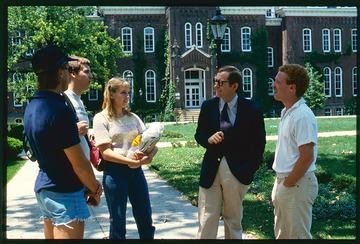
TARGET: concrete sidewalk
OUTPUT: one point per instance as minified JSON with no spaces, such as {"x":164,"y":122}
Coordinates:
{"x":174,"y":217}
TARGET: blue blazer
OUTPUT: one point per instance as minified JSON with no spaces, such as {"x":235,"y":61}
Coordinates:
{"x":243,"y":145}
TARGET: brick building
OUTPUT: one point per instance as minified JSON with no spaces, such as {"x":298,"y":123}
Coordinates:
{"x":324,"y":36}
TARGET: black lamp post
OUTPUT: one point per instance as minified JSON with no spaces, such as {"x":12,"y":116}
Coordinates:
{"x":218,"y":25}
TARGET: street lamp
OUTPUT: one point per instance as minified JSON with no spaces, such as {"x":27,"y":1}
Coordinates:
{"x":218,"y":25}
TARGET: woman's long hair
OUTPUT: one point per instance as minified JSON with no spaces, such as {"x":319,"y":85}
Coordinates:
{"x":113,"y":85}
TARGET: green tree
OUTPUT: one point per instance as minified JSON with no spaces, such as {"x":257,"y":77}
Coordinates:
{"x":66,"y":26}
{"x":314,"y":96}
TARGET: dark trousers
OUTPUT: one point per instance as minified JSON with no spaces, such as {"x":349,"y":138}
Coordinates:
{"x":120,"y":183}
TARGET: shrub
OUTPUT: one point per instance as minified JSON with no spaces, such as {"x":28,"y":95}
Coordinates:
{"x":332,"y":204}
{"x":15,"y":130}
{"x":268,"y":159}
{"x":172,"y":134}
{"x":344,"y":182}
{"x":14,"y":147}
{"x":322,"y":175}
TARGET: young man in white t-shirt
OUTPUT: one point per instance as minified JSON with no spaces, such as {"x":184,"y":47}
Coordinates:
{"x":296,"y":186}
{"x":80,"y":79}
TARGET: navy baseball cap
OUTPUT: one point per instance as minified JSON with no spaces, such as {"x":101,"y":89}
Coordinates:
{"x":49,"y":57}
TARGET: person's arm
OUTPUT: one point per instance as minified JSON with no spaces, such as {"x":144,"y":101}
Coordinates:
{"x":83,"y":170}
{"x":109,"y":155}
{"x":302,"y":164}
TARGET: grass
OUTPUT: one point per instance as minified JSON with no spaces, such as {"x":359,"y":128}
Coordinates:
{"x":12,"y":168}
{"x":325,"y":124}
{"x":336,"y":171}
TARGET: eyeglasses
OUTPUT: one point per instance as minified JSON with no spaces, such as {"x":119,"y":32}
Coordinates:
{"x":219,"y":82}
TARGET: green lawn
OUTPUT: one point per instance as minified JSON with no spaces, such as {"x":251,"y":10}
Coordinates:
{"x":335,"y":208}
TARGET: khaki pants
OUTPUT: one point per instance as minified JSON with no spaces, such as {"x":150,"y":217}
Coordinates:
{"x":226,"y":190}
{"x":293,"y":206}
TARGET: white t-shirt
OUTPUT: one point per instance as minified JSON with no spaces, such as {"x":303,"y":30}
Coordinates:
{"x":82,"y":115}
{"x":297,"y":127}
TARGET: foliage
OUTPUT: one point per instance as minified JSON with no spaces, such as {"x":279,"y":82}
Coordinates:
{"x":167,"y":98}
{"x":260,"y":61}
{"x":67,"y":27}
{"x":350,"y":106}
{"x":315,"y":58}
{"x":15,"y":130}
{"x":314,"y":96}
{"x":13,"y":148}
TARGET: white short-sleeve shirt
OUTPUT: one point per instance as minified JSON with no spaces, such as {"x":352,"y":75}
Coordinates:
{"x":297,"y":127}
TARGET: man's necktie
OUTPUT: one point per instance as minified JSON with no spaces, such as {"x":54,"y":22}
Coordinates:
{"x":224,"y":119}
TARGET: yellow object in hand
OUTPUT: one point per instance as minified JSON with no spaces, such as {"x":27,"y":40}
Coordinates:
{"x":136,"y":141}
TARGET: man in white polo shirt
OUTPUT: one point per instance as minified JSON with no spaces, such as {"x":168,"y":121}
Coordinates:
{"x":296,"y":186}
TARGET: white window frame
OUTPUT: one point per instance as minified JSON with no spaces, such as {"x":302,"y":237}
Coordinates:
{"x":149,"y":40}
{"x":326,"y":40}
{"x":307,"y":44}
{"x":270,"y":88}
{"x":226,"y":45}
{"x":270,"y":53}
{"x":337,"y":40}
{"x":354,"y":40}
{"x":128,"y":75}
{"x":93,"y":94}
{"x":150,"y":86}
{"x":338,"y":82}
{"x":199,"y":35}
{"x":327,"y":81}
{"x":15,"y":78}
{"x":247,"y":83}
{"x":188,"y":35}
{"x":126,"y":40}
{"x":328,"y":112}
{"x":246,"y":39}
{"x":354,"y":81}
{"x":339,"y":111}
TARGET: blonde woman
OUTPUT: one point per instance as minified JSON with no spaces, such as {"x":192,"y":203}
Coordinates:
{"x":114,"y":128}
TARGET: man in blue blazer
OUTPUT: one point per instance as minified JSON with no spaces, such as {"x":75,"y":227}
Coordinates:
{"x":233,"y":154}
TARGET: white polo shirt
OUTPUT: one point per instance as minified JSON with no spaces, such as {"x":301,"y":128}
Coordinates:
{"x":297,"y":127}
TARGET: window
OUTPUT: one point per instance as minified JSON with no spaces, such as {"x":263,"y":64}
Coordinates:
{"x":15,"y":40}
{"x":354,"y":40}
{"x":328,"y":112}
{"x":327,"y":82}
{"x":245,"y":39}
{"x":17,"y":99}
{"x":150,"y":86}
{"x":270,"y":89}
{"x":326,"y":40}
{"x":18,"y":120}
{"x":188,"y":38}
{"x":225,"y":46}
{"x":93,"y":94}
{"x":354,"y":81}
{"x":338,"y":81}
{"x":31,"y":51}
{"x":247,"y":83}
{"x":307,"y":40}
{"x":270,"y":57}
{"x":129,"y":77}
{"x":199,"y":35}
{"x":337,"y":40}
{"x":126,"y":37}
{"x":149,"y":45}
{"x":339,"y":111}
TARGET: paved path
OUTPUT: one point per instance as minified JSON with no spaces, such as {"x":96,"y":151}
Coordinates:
{"x":174,"y":217}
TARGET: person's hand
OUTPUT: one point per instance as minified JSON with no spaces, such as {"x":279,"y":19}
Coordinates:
{"x":138,"y":155}
{"x":216,"y":138}
{"x":93,"y":199}
{"x":83,"y":127}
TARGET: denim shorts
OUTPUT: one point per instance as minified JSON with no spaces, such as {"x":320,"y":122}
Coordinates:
{"x":63,"y":208}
